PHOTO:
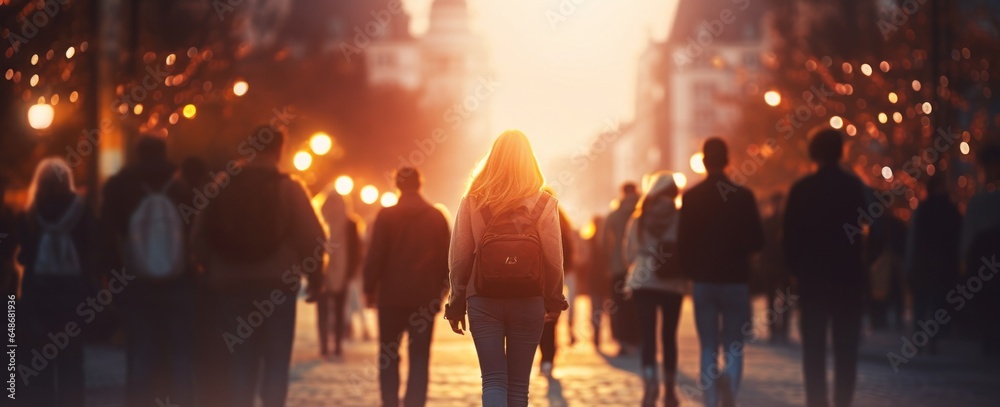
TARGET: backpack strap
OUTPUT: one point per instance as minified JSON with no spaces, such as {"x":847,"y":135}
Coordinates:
{"x":487,"y":215}
{"x":540,"y":204}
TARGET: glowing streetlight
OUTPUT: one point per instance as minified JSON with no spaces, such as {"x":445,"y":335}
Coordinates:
{"x":240,"y":88}
{"x":320,"y":143}
{"x":343,"y":185}
{"x":40,"y":115}
{"x":302,"y":160}
{"x":680,"y":180}
{"x":696,"y":163}
{"x":772,"y":98}
{"x":189,"y":111}
{"x":389,"y":199}
{"x":866,"y":69}
{"x":369,"y":194}
{"x":836,"y":122}
{"x":893,"y":98}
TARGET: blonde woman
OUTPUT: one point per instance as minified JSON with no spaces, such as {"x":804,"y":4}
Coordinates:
{"x":506,"y":267}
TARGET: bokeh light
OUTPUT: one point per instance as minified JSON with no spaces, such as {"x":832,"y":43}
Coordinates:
{"x":40,"y":115}
{"x":320,"y":143}
{"x":893,"y":98}
{"x":389,"y":199}
{"x":302,"y":160}
{"x":836,"y":122}
{"x":369,"y":194}
{"x":343,"y":185}
{"x":680,"y":180}
{"x":189,"y":111}
{"x":866,"y":69}
{"x":696,"y":163}
{"x":887,"y":173}
{"x":240,"y":88}
{"x":772,"y":98}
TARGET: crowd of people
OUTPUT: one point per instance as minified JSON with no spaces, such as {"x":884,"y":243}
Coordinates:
{"x":206,"y":301}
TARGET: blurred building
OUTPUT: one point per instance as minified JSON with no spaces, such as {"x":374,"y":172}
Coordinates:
{"x":691,"y":85}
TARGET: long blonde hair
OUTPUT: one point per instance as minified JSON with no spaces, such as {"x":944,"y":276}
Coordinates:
{"x":53,"y":177}
{"x":507,"y":175}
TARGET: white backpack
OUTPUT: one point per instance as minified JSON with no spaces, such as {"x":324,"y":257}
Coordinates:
{"x":154,"y":247}
{"x":57,"y":253}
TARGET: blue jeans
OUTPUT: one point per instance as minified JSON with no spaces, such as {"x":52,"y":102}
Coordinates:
{"x":506,"y":333}
{"x":721,"y":311}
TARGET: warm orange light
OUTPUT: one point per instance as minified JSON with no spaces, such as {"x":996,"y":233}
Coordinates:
{"x":344,"y":185}
{"x":302,"y":160}
{"x":836,"y":122}
{"x":320,"y":143}
{"x":680,"y":180}
{"x":588,"y":231}
{"x":389,"y":199}
{"x":240,"y":88}
{"x":893,"y":98}
{"x":70,"y":52}
{"x":369,"y":194}
{"x":189,"y":111}
{"x":697,"y":165}
{"x":40,"y":115}
{"x":772,"y":98}
{"x":866,"y":69}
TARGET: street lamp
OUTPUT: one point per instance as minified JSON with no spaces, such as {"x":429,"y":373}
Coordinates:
{"x":389,"y":199}
{"x":302,"y":160}
{"x":320,"y":143}
{"x":697,"y":163}
{"x":369,"y":194}
{"x":40,"y":115}
{"x":343,"y":185}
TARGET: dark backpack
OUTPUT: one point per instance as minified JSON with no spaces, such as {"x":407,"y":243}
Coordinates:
{"x":509,"y":259}
{"x":244,"y":223}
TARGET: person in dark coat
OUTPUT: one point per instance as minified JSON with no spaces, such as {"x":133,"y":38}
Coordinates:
{"x":719,"y":227}
{"x":825,"y":257}
{"x":55,"y":237}
{"x":931,"y":262}
{"x":406,"y":274}
{"x":884,"y":254}
{"x":624,"y":318}
{"x":158,"y":315}
{"x":777,"y":282}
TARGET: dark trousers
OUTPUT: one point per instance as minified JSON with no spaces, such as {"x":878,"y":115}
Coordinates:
{"x":393,"y":321}
{"x":547,"y":345}
{"x":50,"y":368}
{"x":260,"y":345}
{"x":160,"y":348}
{"x":778,"y":328}
{"x":330,"y":309}
{"x":824,"y":310}
{"x":648,"y":302}
{"x":624,"y":321}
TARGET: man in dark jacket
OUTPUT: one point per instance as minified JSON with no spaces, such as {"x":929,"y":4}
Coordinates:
{"x":624,"y":317}
{"x":719,"y":228}
{"x":406,"y":273}
{"x":159,"y":315}
{"x":823,"y":255}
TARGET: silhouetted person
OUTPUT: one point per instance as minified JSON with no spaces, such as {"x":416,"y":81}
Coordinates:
{"x":624,"y":321}
{"x":828,"y":267}
{"x":885,"y":246}
{"x":56,"y":255}
{"x":406,"y":273}
{"x":719,"y":228}
{"x":256,"y":240}
{"x":506,"y":267}
{"x":548,"y":343}
{"x":8,"y":243}
{"x":656,"y":283}
{"x":777,"y":282}
{"x":597,"y":279}
{"x":931,"y":261}
{"x":141,"y":216}
{"x":979,"y":245}
{"x":340,"y":270}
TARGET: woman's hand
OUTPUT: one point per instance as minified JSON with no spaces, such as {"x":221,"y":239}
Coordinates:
{"x":455,"y":323}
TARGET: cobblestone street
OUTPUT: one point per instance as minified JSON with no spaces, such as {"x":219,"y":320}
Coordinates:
{"x":584,"y":377}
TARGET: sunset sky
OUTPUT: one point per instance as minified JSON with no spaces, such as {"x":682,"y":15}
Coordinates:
{"x":560,"y":85}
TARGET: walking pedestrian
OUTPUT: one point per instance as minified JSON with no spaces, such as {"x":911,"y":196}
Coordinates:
{"x":777,"y":282}
{"x":56,"y":255}
{"x":827,"y":264}
{"x":143,"y":222}
{"x":406,"y":275}
{"x":719,"y":228}
{"x":624,"y":322}
{"x":256,"y":241}
{"x":549,"y":342}
{"x":506,"y":267}
{"x":656,"y":283}
{"x":340,"y":270}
